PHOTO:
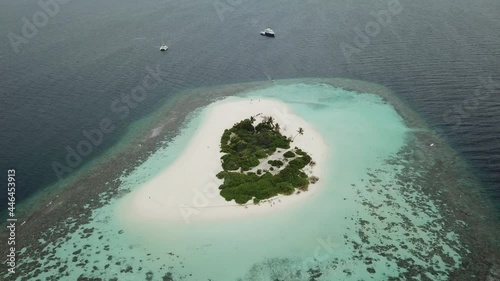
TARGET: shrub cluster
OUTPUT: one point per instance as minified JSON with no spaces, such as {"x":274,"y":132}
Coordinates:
{"x":244,"y":145}
{"x":275,"y":163}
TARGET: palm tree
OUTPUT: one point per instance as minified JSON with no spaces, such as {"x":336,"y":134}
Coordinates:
{"x":277,"y":127}
{"x":270,"y":121}
{"x":300,"y":131}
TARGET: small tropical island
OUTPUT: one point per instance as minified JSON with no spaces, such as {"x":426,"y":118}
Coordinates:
{"x":236,"y":164}
{"x":259,"y":163}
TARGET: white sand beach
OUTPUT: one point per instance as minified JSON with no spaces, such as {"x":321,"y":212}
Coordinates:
{"x":187,"y":190}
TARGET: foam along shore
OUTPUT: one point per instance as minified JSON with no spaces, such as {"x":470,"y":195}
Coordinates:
{"x":187,"y":190}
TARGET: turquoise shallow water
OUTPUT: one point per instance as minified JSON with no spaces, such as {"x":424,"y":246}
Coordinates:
{"x":358,"y":226}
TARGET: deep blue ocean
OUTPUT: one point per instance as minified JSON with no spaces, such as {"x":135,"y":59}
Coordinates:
{"x":441,"y":57}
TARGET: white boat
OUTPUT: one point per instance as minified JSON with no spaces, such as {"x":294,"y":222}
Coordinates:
{"x":267,"y":32}
{"x":163,"y":46}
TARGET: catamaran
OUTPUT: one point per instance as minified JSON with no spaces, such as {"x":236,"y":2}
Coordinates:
{"x":163,"y":46}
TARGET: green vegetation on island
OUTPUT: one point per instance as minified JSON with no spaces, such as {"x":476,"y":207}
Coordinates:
{"x":245,"y":145}
{"x":275,"y":163}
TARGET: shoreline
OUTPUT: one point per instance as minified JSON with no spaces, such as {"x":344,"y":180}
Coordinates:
{"x":187,"y":191}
